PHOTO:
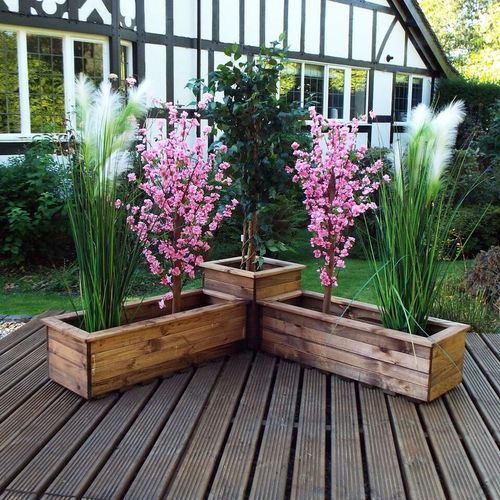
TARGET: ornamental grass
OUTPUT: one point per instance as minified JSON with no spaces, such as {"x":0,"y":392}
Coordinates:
{"x":417,"y":210}
{"x":107,"y":251}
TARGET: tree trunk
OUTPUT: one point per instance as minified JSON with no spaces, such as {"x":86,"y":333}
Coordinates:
{"x":327,"y":295}
{"x":176,"y":291}
{"x":248,"y":248}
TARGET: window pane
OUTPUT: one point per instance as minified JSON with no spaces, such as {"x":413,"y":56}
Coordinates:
{"x":401,"y":86}
{"x":46,"y":83}
{"x":89,"y":60}
{"x":336,"y":93}
{"x":10,"y":114}
{"x":313,"y":86}
{"x":123,"y":62}
{"x":359,"y":84}
{"x":416,"y":91}
{"x":290,"y":82}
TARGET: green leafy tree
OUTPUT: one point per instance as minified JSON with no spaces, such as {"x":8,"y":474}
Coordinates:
{"x":469,"y":31}
{"x":258,"y":125}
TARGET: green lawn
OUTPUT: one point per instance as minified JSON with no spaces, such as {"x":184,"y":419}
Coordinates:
{"x":44,"y":289}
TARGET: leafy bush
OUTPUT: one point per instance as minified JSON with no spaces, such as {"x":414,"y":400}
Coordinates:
{"x":455,"y":303}
{"x":33,"y":222}
{"x":484,"y":276}
{"x":480,"y":101}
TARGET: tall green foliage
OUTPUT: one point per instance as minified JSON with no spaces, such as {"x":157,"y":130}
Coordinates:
{"x":415,"y":218}
{"x":258,"y":125}
{"x":107,"y":250}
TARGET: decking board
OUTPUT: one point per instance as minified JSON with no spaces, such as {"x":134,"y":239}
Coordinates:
{"x":245,"y":426}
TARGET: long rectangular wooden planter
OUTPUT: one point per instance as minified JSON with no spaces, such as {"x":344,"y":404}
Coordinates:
{"x":358,"y":347}
{"x":152,"y":342}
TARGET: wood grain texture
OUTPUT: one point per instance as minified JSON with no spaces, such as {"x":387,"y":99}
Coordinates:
{"x":156,"y":345}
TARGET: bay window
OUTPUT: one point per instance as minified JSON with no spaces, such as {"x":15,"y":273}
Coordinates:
{"x":37,"y":74}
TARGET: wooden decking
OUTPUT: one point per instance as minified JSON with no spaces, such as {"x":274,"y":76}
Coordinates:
{"x":247,"y":426}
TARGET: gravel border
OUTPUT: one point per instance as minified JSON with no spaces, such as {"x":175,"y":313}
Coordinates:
{"x":11,"y":322}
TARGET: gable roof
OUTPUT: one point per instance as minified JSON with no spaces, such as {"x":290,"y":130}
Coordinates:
{"x":422,"y":34}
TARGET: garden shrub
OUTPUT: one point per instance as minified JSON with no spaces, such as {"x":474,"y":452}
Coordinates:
{"x":484,"y":276}
{"x":33,"y":222}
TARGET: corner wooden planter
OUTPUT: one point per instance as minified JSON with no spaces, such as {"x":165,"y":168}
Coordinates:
{"x":275,"y":278}
{"x":154,"y":343}
{"x":358,"y":347}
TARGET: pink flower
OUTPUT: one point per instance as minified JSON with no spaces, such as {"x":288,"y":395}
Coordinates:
{"x":118,"y":203}
{"x":131,"y":81}
{"x":113,"y":77}
{"x":372,"y":114}
{"x":132,"y":177}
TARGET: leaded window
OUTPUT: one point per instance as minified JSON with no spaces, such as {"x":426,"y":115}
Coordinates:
{"x":290,"y":82}
{"x":314,"y":77}
{"x":416,"y":91}
{"x":88,"y":59}
{"x":10,"y":111}
{"x":359,"y":86}
{"x":336,"y":88}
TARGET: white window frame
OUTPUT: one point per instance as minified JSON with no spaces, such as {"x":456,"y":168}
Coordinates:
{"x":68,"y":73}
{"x":347,"y":87}
{"x":411,"y":76}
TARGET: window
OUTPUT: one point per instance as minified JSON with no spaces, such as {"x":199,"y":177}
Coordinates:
{"x":336,"y":92}
{"x":313,"y":85}
{"x":10,"y":110}
{"x":290,"y":82}
{"x":37,"y":73}
{"x":336,"y":85}
{"x":359,"y":86}
{"x":46,"y":83}
{"x":408,"y":93}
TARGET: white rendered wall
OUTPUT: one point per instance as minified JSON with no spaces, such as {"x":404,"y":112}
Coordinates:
{"x":395,"y":46}
{"x":274,"y":19}
{"x":185,"y":70}
{"x":381,"y":135}
{"x":155,"y":16}
{"x":382,"y":92}
{"x":294,"y":21}
{"x":229,"y":21}
{"x":412,"y":57}
{"x":362,"y":34}
{"x":252,"y":18}
{"x":185,"y":23}
{"x":312,"y":26}
{"x":156,"y":70}
{"x":337,"y":30}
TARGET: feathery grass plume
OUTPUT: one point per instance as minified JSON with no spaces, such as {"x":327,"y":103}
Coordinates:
{"x":414,"y":220}
{"x":107,"y":251}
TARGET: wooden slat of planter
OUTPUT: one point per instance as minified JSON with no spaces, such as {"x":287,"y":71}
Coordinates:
{"x":310,"y":452}
{"x":200,"y":457}
{"x":28,"y":412}
{"x":331,"y":327}
{"x":485,"y":358}
{"x":329,"y":360}
{"x":77,"y":474}
{"x":21,"y":349}
{"x":229,"y":288}
{"x":23,"y":390}
{"x":16,"y":372}
{"x":18,"y":452}
{"x":272,"y":290}
{"x":42,"y":469}
{"x":347,"y":481}
{"x":456,"y":471}
{"x":24,"y":331}
{"x":478,"y":441}
{"x":270,"y":476}
{"x":68,"y":374}
{"x":340,"y":342}
{"x":278,"y":279}
{"x":493,"y":341}
{"x":421,"y":477}
{"x":156,"y":472}
{"x":229,"y":278}
{"x":447,"y":362}
{"x":381,"y":456}
{"x":121,"y":467}
{"x":483,"y":395}
{"x":235,"y":463}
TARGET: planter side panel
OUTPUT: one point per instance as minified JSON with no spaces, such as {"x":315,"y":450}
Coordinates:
{"x":447,"y":364}
{"x":68,"y":361}
{"x":165,"y":347}
{"x":341,"y":350}
{"x":280,"y":283}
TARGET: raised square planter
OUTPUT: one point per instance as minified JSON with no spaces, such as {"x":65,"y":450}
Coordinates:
{"x":152,"y":342}
{"x":275,"y":278}
{"x":358,"y":347}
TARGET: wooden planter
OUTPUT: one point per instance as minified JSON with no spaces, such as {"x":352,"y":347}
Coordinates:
{"x":358,"y":347}
{"x":275,"y":278}
{"x":152,"y":343}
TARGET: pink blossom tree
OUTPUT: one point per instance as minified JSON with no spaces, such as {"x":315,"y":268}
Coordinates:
{"x":182,"y":207}
{"x":337,"y":190}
